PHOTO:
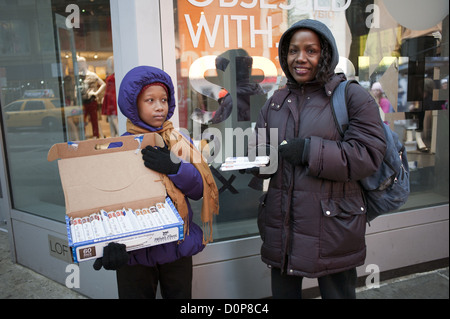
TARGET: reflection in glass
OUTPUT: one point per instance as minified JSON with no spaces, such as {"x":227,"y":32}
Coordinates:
{"x":396,"y":64}
{"x":42,"y":103}
{"x":41,"y":93}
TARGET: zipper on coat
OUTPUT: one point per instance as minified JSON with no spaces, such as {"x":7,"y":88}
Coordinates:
{"x":287,"y":218}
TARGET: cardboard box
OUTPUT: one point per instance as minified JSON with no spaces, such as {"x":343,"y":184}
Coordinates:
{"x":95,"y":177}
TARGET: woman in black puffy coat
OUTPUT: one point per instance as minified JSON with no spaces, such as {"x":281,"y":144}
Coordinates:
{"x":312,"y":219}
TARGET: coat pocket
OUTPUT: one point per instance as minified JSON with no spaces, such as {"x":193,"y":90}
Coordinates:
{"x":343,"y":226}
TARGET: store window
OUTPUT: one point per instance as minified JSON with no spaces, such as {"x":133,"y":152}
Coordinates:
{"x":227,"y":64}
{"x":56,"y":62}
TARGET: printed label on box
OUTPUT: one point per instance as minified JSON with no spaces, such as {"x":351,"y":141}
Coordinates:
{"x":88,"y":252}
{"x":167,"y":236}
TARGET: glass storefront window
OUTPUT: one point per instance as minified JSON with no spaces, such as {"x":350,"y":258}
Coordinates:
{"x":53,"y":55}
{"x":227,"y":67}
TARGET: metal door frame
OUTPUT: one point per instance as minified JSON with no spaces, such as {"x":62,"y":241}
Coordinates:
{"x":5,"y":204}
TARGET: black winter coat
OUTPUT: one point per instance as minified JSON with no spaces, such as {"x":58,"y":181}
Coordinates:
{"x":313,"y":218}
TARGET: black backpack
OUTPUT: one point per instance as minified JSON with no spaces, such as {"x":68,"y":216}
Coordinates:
{"x":388,"y":188}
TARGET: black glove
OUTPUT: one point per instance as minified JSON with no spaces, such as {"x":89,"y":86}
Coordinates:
{"x":114,"y":257}
{"x":295,"y":151}
{"x":159,"y":159}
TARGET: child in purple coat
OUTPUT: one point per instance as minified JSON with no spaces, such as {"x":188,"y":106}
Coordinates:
{"x":146,"y":98}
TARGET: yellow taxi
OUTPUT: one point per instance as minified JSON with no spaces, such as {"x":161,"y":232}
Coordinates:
{"x":41,"y":112}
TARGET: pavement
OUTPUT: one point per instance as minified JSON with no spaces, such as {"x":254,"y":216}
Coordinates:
{"x":18,"y":282}
{"x":425,"y":285}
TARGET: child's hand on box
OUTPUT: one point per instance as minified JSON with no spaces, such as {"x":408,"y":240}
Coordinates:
{"x":160,"y":160}
{"x":114,"y":257}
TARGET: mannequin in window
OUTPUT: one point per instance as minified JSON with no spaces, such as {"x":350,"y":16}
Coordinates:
{"x":92,"y":90}
{"x":109,"y":106}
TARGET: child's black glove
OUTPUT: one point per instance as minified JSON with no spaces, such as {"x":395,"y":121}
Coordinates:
{"x":295,"y":151}
{"x":114,"y":257}
{"x":159,"y":159}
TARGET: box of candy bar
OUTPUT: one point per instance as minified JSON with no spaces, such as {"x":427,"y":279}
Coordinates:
{"x":136,"y":228}
{"x":110,"y":196}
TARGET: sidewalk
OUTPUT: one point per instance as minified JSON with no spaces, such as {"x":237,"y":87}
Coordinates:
{"x":17,"y":282}
{"x":427,"y":285}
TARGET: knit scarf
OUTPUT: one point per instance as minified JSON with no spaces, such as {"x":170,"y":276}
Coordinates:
{"x":184,"y":149}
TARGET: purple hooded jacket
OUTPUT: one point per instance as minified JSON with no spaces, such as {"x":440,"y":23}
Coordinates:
{"x":187,"y":179}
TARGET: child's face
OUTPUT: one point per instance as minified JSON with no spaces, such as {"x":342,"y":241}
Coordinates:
{"x":153,"y":106}
{"x":304,"y":55}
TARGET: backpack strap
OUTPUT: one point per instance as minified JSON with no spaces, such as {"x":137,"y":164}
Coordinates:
{"x":339,"y":106}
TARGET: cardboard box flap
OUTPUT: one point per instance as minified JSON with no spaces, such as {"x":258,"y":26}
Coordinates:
{"x":107,"y":179}
{"x":100,"y":146}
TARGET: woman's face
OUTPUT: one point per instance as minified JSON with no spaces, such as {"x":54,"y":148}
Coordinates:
{"x":304,"y":55}
{"x":153,"y":106}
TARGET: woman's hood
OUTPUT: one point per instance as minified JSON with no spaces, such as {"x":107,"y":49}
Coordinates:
{"x":131,"y":86}
{"x":314,"y":25}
